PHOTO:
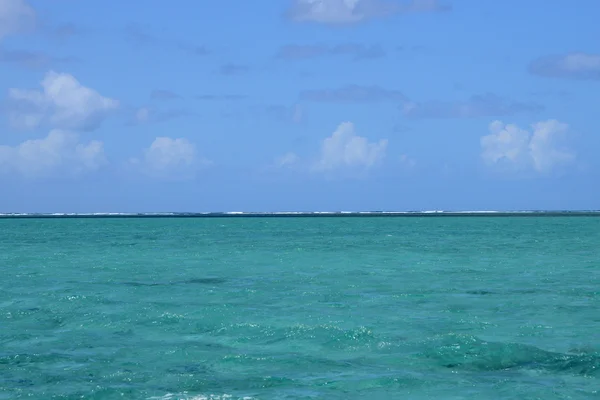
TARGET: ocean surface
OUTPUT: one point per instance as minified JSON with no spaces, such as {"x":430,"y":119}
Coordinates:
{"x":450,"y":307}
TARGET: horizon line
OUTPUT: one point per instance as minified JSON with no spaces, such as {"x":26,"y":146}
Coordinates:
{"x":305,"y":214}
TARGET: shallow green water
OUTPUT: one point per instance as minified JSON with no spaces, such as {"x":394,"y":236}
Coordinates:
{"x":294,"y":308}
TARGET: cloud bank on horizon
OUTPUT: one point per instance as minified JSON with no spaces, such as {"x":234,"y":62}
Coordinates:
{"x":150,"y":102}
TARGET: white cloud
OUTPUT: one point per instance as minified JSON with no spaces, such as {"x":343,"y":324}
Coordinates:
{"x":545,"y":148}
{"x":62,"y":103}
{"x":170,"y":158}
{"x":15,"y":16}
{"x":59,"y":153}
{"x":287,"y":160}
{"x":326,"y":11}
{"x":342,"y":154}
{"x":519,"y":149}
{"x":353,"y":11}
{"x":345,"y":149}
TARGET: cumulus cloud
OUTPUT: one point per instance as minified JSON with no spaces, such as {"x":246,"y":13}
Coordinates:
{"x":345,"y":149}
{"x":16,"y":16}
{"x":62,"y":103}
{"x":59,"y":153}
{"x":339,"y":12}
{"x":355,"y":50}
{"x":513,"y":148}
{"x":343,"y":154}
{"x":170,"y":158}
{"x":476,"y":106}
{"x":353,"y":94}
{"x":572,"y":66}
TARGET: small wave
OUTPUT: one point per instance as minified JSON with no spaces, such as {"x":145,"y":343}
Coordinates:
{"x":329,"y":336}
{"x":466,"y":352}
{"x":198,"y":281}
{"x":187,"y":396}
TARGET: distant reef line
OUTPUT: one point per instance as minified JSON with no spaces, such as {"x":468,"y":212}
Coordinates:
{"x":320,"y":214}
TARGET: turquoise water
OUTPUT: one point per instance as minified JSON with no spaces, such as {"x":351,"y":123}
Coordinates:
{"x":300,"y":308}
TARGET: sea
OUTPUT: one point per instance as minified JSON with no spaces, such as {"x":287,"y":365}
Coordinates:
{"x":300,"y":306}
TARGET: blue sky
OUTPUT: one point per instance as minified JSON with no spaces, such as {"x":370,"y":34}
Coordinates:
{"x":275,"y":105}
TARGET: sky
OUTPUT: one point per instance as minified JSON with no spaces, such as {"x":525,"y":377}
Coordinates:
{"x":299,"y":105}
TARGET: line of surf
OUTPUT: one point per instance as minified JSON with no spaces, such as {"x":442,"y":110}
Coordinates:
{"x":305,"y":214}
